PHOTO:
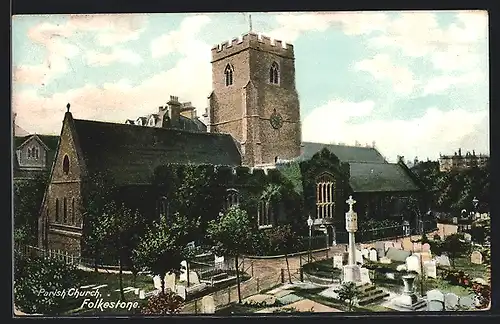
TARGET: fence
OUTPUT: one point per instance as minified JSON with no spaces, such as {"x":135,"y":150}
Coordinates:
{"x":382,"y":233}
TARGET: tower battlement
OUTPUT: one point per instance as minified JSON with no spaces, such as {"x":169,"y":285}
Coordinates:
{"x":254,"y":41}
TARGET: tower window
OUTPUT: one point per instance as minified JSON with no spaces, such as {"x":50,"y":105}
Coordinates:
{"x":274,"y":72}
{"x":57,"y":210}
{"x":66,"y":164}
{"x":228,"y":72}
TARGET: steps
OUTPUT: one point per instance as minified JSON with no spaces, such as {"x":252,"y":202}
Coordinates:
{"x":370,"y":294}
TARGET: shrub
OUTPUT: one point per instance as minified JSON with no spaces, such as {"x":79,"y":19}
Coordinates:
{"x":35,"y":275}
{"x":163,"y":304}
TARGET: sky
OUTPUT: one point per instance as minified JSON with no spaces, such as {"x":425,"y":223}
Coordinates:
{"x":415,"y":83}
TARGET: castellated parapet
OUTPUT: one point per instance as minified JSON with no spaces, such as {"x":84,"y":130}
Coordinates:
{"x":254,"y":41}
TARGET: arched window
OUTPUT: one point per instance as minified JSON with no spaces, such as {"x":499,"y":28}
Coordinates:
{"x":65,"y":211}
{"x":73,"y":219}
{"x":264,"y":214}
{"x":57,"y":210}
{"x":228,"y":72}
{"x":29,"y":152}
{"x":36,"y":153}
{"x":66,"y":164}
{"x":274,"y":72}
{"x":325,"y":196}
{"x":232,"y":198}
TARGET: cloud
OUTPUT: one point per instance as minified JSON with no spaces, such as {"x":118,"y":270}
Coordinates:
{"x":436,"y":131}
{"x":443,"y":83}
{"x":291,"y":26}
{"x":116,"y":55}
{"x":181,"y":40}
{"x":382,"y":68}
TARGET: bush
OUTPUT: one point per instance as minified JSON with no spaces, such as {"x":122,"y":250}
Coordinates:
{"x":163,"y":304}
{"x":35,"y":275}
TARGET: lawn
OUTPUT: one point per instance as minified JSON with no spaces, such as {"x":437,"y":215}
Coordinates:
{"x":335,"y":303}
{"x":236,"y":308}
{"x":322,"y":269}
{"x":474,"y":270}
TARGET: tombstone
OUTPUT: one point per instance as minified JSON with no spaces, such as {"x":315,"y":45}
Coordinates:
{"x":401,"y":267}
{"x":407,"y":245}
{"x":426,"y":256}
{"x":476,"y":257}
{"x":455,"y":220}
{"x":193,"y":278}
{"x":426,"y":247}
{"x":435,"y":301}
{"x":443,"y":260}
{"x":450,"y":301}
{"x":365,"y":275}
{"x":373,"y":255}
{"x":380,"y":247}
{"x":385,"y":260}
{"x":170,"y":281}
{"x":219,"y":260}
{"x":468,"y":237}
{"x":142,"y":294}
{"x":181,"y":291}
{"x":413,"y":263}
{"x":183,"y":275}
{"x":208,"y":305}
{"x":338,"y":261}
{"x":397,"y":255}
{"x":157,"y":282}
{"x":430,"y":269}
{"x":467,"y":302}
{"x":366,"y":253}
{"x":359,"y":257}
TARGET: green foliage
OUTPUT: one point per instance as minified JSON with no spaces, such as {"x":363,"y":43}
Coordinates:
{"x":28,"y":196}
{"x":348,"y":293}
{"x":33,"y":276}
{"x":455,"y":245}
{"x":163,"y":304}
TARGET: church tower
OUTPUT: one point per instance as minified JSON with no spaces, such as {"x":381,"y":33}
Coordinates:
{"x":254,"y":98}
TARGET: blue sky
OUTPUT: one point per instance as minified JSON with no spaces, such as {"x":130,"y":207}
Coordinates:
{"x":416,"y":83}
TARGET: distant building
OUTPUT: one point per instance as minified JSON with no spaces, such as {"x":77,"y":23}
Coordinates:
{"x":459,"y":162}
{"x":34,"y":155}
{"x":174,"y":115}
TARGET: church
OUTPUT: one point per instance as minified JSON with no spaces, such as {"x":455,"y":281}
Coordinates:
{"x":253,"y":121}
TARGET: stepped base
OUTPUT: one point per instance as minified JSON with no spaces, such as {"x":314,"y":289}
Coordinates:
{"x":407,"y":303}
{"x":371,"y":294}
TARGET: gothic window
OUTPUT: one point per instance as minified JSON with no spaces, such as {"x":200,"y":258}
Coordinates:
{"x":36,"y":153}
{"x":264,"y":215}
{"x":325,"y":196}
{"x":228,"y":72}
{"x":65,"y":211}
{"x":73,"y":220}
{"x":232,"y":198}
{"x":57,"y":210}
{"x":274,"y":73}
{"x":163,"y":206}
{"x":66,"y":164}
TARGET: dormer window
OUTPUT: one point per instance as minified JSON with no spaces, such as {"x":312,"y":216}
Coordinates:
{"x":274,"y":72}
{"x":228,"y":72}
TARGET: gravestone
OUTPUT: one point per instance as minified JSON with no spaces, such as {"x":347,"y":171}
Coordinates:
{"x":435,"y":300}
{"x":183,"y":275}
{"x":413,"y":263}
{"x":157,"y":282}
{"x":193,"y":278}
{"x":467,"y":302}
{"x":365,"y":275}
{"x":443,"y":260}
{"x":426,"y":256}
{"x":373,"y":255}
{"x":142,"y":294}
{"x":468,"y":237}
{"x":219,"y":260}
{"x":407,"y":245}
{"x":450,"y":301}
{"x":365,"y":253}
{"x":338,"y":261}
{"x":380,"y":247}
{"x":426,"y":247}
{"x":181,"y":291}
{"x":397,"y":255}
{"x":385,"y":260}
{"x":430,"y":269}
{"x":208,"y":305}
{"x":359,"y":257}
{"x":476,"y":257}
{"x":170,"y":281}
{"x":455,"y":220}
{"x":401,"y":267}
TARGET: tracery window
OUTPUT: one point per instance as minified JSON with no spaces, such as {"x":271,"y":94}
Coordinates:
{"x":325,"y":196}
{"x":274,"y":73}
{"x":228,"y":72}
{"x":232,"y":198}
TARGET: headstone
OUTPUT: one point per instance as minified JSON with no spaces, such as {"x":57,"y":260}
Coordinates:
{"x":467,"y":302}
{"x":181,"y":291}
{"x":468,"y":237}
{"x":338,"y":261}
{"x":183,"y":275}
{"x":476,"y":257}
{"x":219,"y":260}
{"x":455,"y":220}
{"x":373,"y":255}
{"x":426,"y":256}
{"x":365,"y":275}
{"x":359,"y":257}
{"x":157,"y":282}
{"x":407,"y":245}
{"x":397,"y":255}
{"x":380,"y":247}
{"x":193,"y":278}
{"x":443,"y":260}
{"x":208,"y":304}
{"x":426,"y":247}
{"x":170,"y":281}
{"x":142,"y":294}
{"x":401,"y":267}
{"x":385,"y":260}
{"x":430,"y":269}
{"x":450,"y":301}
{"x":413,"y":263}
{"x":435,"y":300}
{"x":366,"y":253}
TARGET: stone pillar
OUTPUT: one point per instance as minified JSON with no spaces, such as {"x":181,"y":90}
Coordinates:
{"x":352,"y":272}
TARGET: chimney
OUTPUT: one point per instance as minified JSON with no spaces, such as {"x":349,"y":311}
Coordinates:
{"x":459,"y":152}
{"x":174,"y":111}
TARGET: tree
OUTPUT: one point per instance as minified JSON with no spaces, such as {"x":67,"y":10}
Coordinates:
{"x":232,"y":236}
{"x":348,"y":293}
{"x":164,"y":245}
{"x":283,"y":238}
{"x":163,"y":304}
{"x":455,"y":245}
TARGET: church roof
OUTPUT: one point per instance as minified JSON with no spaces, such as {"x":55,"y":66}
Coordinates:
{"x":131,"y":153}
{"x":377,"y":177}
{"x":344,"y":153}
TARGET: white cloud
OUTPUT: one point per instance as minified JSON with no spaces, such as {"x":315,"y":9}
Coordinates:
{"x":436,"y":131}
{"x":442,"y":83}
{"x":116,"y":55}
{"x":382,"y":68}
{"x":181,"y":40}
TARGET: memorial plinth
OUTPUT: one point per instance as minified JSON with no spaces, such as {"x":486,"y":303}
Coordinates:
{"x":408,"y":301}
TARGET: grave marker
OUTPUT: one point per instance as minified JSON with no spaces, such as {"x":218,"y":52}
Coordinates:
{"x":476,"y":257}
{"x":373,"y":255}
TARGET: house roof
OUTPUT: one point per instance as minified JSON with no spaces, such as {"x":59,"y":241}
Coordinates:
{"x":131,"y":153}
{"x":376,"y":177}
{"x":344,"y":153}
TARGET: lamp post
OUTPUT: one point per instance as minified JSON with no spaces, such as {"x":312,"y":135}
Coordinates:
{"x":310,"y":223}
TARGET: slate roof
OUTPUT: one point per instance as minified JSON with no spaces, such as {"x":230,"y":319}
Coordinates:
{"x":131,"y":153}
{"x":344,"y":153}
{"x":377,"y":177}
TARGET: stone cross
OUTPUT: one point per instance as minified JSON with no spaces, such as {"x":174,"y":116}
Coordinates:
{"x":351,"y":203}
